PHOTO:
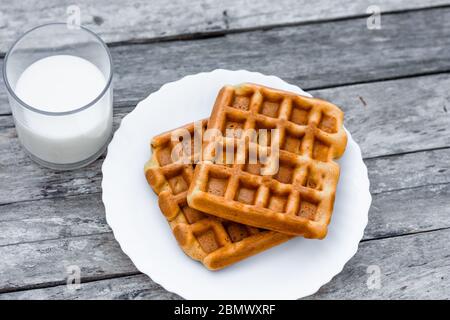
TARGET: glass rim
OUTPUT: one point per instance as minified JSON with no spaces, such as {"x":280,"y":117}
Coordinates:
{"x":57,"y":113}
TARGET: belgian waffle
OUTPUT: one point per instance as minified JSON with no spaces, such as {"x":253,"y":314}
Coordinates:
{"x":295,"y":199}
{"x":214,"y":241}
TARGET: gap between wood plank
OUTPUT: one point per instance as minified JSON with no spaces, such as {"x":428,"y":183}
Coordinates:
{"x":382,"y":79}
{"x":410,"y":188}
{"x":389,"y":236}
{"x":52,"y":284}
{"x":91,"y":279}
{"x":102,"y":157}
{"x":59,"y":238}
{"x":405,"y":153}
{"x":132,"y":103}
{"x":393,"y":235}
{"x":223,"y":32}
{"x":403,"y":234}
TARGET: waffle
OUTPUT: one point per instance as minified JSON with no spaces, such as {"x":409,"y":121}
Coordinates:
{"x":298,"y":197}
{"x":214,"y":241}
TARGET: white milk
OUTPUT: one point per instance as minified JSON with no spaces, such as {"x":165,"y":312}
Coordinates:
{"x":63,"y":83}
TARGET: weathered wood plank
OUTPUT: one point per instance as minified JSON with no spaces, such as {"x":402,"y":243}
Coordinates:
{"x":124,"y":288}
{"x":415,"y":169}
{"x":409,"y":170}
{"x":55,"y":218}
{"x":316,"y":55}
{"x":409,"y":211}
{"x":37,"y":263}
{"x":141,"y":20}
{"x":392,"y":213}
{"x":389,"y":117}
{"x":386,"y":217}
{"x":29,"y":264}
{"x":395,"y":211}
{"x":38,"y":260}
{"x":399,"y":116}
{"x":411,"y":267}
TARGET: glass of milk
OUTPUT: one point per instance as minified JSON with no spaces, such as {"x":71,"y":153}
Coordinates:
{"x":59,"y":81}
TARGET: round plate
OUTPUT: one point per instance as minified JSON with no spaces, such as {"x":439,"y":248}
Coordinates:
{"x":292,"y":270}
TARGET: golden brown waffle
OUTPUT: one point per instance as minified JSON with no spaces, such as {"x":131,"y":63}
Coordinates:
{"x":298,"y":198}
{"x":213,"y":241}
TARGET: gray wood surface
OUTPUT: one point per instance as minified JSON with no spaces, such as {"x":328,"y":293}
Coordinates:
{"x":127,"y":287}
{"x":71,"y":216}
{"x":402,"y":115}
{"x":392,"y":84}
{"x":140,"y":20}
{"x":412,"y":267}
{"x":83,"y":214}
{"x":328,"y":54}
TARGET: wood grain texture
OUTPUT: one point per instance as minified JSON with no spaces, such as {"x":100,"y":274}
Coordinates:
{"x":141,"y":20}
{"x":415,"y":209}
{"x":391,"y":117}
{"x":132,"y":287}
{"x":408,"y":211}
{"x":50,"y":220}
{"x":409,"y":171}
{"x":317,"y":55}
{"x":55,"y":218}
{"x":411,"y":267}
{"x":44,"y":240}
{"x":398,"y":116}
{"x":45,"y":263}
{"x":41,"y":208}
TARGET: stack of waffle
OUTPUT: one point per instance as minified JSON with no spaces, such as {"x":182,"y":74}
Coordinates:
{"x":258,"y":172}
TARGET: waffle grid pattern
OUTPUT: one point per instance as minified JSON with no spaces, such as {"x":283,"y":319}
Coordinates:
{"x":214,"y":241}
{"x":298,"y":199}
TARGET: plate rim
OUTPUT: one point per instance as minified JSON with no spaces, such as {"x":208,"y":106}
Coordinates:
{"x":138,"y":263}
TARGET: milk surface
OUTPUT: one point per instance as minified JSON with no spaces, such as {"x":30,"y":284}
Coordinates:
{"x":60,"y":83}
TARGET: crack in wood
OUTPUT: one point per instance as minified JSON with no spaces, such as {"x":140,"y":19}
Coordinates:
{"x":363,"y":101}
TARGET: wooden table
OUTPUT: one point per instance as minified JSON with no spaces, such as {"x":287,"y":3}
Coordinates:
{"x":393,"y":84}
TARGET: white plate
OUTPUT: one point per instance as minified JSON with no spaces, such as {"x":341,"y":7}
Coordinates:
{"x":292,"y":270}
